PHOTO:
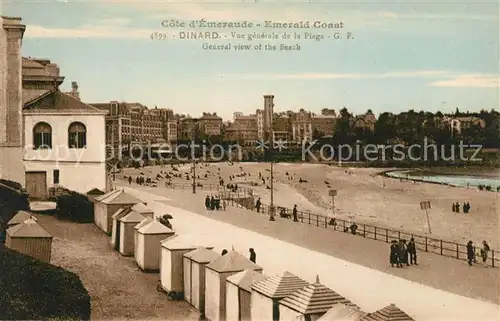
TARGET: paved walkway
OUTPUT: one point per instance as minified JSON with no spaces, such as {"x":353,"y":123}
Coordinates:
{"x":436,"y":271}
{"x":367,"y":287}
{"x":117,"y":287}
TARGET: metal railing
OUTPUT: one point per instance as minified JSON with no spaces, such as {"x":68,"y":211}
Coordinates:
{"x":423,"y":243}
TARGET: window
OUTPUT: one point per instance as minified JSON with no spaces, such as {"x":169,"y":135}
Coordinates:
{"x":77,"y":135}
{"x":56,"y":176}
{"x":42,"y":136}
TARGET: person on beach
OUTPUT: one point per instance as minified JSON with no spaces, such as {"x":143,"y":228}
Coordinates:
{"x":224,"y":252}
{"x":257,"y":205}
{"x":457,"y":207}
{"x":393,"y":257}
{"x":403,"y":253}
{"x":207,"y":202}
{"x":484,"y":253}
{"x":453,"y":207}
{"x":130,"y":180}
{"x":412,"y":251}
{"x":253,"y":255}
{"x":294,"y":213}
{"x":212,"y":203}
{"x":470,"y":253}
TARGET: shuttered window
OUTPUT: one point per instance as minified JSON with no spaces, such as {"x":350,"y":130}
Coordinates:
{"x":42,"y":136}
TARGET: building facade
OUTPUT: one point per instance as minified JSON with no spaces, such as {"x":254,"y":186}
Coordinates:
{"x":210,"y":124}
{"x":133,"y":124}
{"x":64,"y":145}
{"x":11,"y":96}
{"x":47,"y":138}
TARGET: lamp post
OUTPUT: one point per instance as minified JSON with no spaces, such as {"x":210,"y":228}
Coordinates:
{"x":195,"y":123}
{"x":271,"y":206}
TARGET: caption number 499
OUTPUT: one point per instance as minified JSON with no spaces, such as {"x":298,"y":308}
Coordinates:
{"x":158,"y":36}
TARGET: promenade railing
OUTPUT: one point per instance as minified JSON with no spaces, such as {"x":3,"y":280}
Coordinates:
{"x":423,"y":243}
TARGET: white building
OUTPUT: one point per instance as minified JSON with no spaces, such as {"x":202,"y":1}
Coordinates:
{"x":64,"y":144}
{"x":47,"y":138}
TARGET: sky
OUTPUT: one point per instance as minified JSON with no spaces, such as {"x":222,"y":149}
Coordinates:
{"x":401,"y":55}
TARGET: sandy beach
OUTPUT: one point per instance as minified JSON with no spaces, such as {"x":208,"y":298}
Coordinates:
{"x":363,"y":196}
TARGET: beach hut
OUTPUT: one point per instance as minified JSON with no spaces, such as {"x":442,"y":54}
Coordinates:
{"x":267,"y":293}
{"x":216,"y":273}
{"x":144,"y":222}
{"x":93,"y":193}
{"x":194,"y":276}
{"x":31,"y":239}
{"x":171,"y":262}
{"x":142,"y":209}
{"x":106,"y":205}
{"x":342,"y":312}
{"x":115,"y":227}
{"x":389,"y":313}
{"x":20,"y":217}
{"x":238,"y":294}
{"x":127,"y":238}
{"x":310,"y":303}
{"x":149,"y":239}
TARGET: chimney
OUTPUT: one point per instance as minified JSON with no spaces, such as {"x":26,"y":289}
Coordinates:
{"x":74,"y":90}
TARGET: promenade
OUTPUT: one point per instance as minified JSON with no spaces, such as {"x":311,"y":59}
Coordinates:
{"x":438,"y":289}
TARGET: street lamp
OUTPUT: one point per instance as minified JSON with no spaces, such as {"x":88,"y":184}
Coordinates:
{"x":271,"y":206}
{"x":195,"y":123}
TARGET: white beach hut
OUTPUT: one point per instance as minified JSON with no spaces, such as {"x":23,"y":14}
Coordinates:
{"x":127,"y":238}
{"x":310,"y":303}
{"x":106,"y":205}
{"x":31,"y":239}
{"x":171,"y":260}
{"x":389,"y":313}
{"x":149,"y":239}
{"x":145,"y":211}
{"x":115,"y":228}
{"x":216,"y":273}
{"x":20,"y":217}
{"x":194,"y":276}
{"x":342,"y":312}
{"x":267,"y":293}
{"x":238,"y":294}
{"x":142,"y":223}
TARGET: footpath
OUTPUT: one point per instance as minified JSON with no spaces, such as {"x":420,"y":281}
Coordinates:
{"x":308,"y":251}
{"x":444,"y":273}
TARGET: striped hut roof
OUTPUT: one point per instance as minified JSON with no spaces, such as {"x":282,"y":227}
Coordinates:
{"x":280,"y":286}
{"x":245,"y":279}
{"x":202,"y":255}
{"x":20,"y":217}
{"x":28,"y":228}
{"x":313,"y":299}
{"x":342,"y":312}
{"x":232,"y":262}
{"x":389,"y":313}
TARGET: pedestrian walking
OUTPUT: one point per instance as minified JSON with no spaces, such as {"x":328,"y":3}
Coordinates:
{"x":484,"y":253}
{"x":253,"y":255}
{"x":257,"y":205}
{"x":401,"y":253}
{"x":393,"y":257}
{"x":412,"y":251}
{"x":405,"y":253}
{"x":294,"y":212}
{"x":470,"y":253}
{"x":207,"y":202}
{"x":130,"y":180}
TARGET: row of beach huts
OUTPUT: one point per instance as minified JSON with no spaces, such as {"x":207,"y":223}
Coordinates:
{"x":222,"y":287}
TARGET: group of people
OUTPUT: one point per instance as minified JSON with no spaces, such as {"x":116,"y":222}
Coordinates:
{"x":471,"y":253}
{"x":456,"y":207}
{"x":214,"y":203}
{"x":252,"y":257}
{"x":403,"y":253}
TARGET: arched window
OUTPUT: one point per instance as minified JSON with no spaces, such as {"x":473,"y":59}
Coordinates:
{"x":42,"y":136}
{"x":77,"y":135}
